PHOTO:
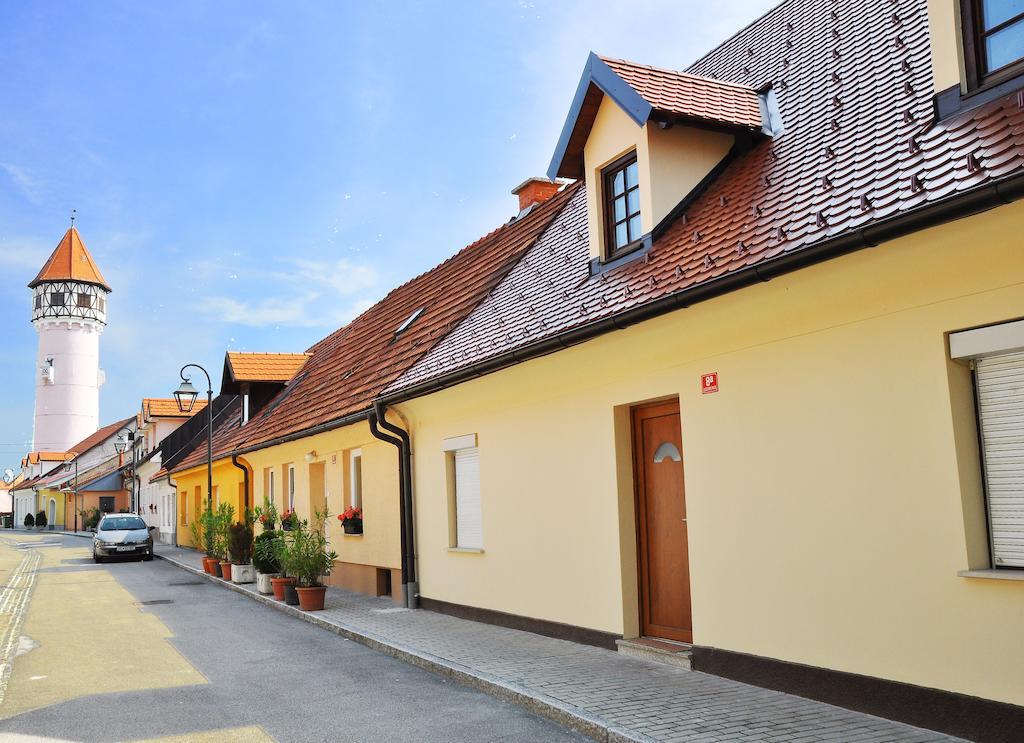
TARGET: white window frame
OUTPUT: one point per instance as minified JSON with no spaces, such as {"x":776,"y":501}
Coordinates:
{"x":355,"y":478}
{"x":245,"y":407}
{"x":270,"y":484}
{"x":291,"y":487}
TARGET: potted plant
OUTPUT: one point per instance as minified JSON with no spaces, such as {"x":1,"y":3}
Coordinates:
{"x":30,"y":521}
{"x":311,"y":560}
{"x":284,"y":585}
{"x":288,"y":519}
{"x":40,"y":520}
{"x":240,"y":551}
{"x":204,"y":531}
{"x":223,"y":519}
{"x":265,"y":561}
{"x":267,"y":515}
{"x":352,"y":520}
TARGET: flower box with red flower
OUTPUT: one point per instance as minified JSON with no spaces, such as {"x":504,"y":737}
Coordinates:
{"x":352,"y":520}
{"x":288,"y":519}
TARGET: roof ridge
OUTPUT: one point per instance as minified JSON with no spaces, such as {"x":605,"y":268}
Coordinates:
{"x":682,"y":73}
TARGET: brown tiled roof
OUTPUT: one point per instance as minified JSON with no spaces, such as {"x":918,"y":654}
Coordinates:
{"x":348,"y":368}
{"x":167,"y":407}
{"x":859,"y":146}
{"x":692,"y":97}
{"x":70,"y":260}
{"x":99,"y":437}
{"x":226,"y":427}
{"x":265,"y":367}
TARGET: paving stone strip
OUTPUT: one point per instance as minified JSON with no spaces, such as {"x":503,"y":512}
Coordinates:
{"x":605,"y":695}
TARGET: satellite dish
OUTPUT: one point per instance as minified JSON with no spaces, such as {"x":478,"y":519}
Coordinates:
{"x":8,"y":475}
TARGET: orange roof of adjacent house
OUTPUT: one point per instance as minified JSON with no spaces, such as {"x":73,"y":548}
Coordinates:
{"x":167,"y":407}
{"x":35,"y":457}
{"x":265,"y":367}
{"x":99,"y":437}
{"x":70,"y":261}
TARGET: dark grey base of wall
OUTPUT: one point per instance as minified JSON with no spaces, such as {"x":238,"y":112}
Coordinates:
{"x":944,"y":711}
{"x":527,"y":624}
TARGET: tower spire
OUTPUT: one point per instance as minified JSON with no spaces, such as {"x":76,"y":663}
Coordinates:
{"x":73,"y":218}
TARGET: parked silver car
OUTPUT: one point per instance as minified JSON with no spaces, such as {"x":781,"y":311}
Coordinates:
{"x":122,"y":535}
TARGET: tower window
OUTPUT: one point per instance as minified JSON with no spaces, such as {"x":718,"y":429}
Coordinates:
{"x":39,"y":301}
{"x":101,"y":304}
{"x":84,"y":300}
{"x":57,"y":299}
{"x":993,"y":40}
{"x":621,"y":187}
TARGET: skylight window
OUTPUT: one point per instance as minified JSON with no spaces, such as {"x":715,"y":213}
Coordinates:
{"x":409,"y":321}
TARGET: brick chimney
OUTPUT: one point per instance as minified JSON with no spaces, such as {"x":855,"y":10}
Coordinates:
{"x":535,"y":191}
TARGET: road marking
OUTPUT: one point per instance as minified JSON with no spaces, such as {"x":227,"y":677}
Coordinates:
{"x":14,"y":597}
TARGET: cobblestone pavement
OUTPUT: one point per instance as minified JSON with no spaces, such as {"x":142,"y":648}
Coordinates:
{"x":604,"y":693}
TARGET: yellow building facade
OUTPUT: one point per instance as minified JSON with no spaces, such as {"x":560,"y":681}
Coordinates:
{"x":833,"y":483}
{"x":191,"y":487}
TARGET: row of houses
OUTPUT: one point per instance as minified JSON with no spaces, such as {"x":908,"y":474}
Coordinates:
{"x":743,"y":378}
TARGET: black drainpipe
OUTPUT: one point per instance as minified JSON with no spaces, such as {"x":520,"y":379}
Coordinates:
{"x":245,"y":481}
{"x":410,"y":586}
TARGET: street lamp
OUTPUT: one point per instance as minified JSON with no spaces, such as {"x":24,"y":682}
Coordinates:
{"x":125,"y":439}
{"x":186,"y":396}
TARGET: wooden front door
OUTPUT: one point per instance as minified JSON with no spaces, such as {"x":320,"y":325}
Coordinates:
{"x":661,"y":523}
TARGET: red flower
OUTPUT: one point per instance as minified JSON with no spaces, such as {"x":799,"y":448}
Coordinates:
{"x":350,"y":514}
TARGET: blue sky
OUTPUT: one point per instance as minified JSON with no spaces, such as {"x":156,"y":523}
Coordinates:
{"x":250,"y":175}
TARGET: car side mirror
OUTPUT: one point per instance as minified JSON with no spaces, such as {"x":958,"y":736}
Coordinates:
{"x":152,"y":528}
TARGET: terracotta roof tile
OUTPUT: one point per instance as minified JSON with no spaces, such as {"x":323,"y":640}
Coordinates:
{"x":226,"y":426}
{"x":691,"y":96}
{"x":167,"y":407}
{"x":265,"y":367}
{"x":859,"y":145}
{"x":348,"y":368}
{"x":99,"y":437}
{"x":70,"y":260}
{"x":35,"y":457}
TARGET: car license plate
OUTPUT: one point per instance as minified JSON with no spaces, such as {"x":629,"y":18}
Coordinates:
{"x":125,"y":549}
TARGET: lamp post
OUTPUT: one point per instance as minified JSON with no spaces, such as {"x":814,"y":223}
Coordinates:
{"x":186,"y":396}
{"x":121,"y":444}
{"x":74,"y":458}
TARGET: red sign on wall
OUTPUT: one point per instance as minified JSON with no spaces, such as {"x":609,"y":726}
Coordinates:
{"x":709,"y":383}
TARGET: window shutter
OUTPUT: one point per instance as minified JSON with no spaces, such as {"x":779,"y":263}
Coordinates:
{"x":1000,"y":381}
{"x":468,"y":527}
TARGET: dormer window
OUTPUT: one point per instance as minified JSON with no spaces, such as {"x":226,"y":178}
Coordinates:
{"x":621,"y":188}
{"x":993,"y":41}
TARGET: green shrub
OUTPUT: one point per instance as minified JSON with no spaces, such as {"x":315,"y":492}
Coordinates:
{"x":30,"y":520}
{"x":41,"y":519}
{"x":90,"y":518}
{"x":240,"y":543}
{"x":305,"y":555}
{"x":264,"y":556}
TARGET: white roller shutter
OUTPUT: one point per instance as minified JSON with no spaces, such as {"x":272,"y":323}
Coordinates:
{"x":468,"y":527}
{"x":1000,"y":382}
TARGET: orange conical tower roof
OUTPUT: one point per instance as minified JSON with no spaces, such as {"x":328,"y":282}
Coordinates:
{"x":70,"y":261}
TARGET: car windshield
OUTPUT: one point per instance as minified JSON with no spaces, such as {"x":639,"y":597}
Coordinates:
{"x":122,"y":523}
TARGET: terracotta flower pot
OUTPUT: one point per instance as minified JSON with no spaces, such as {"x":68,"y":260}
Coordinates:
{"x":225,"y":570}
{"x":208,"y":564}
{"x":312,"y":598}
{"x":216,"y":569}
{"x":278,"y":584}
{"x":291,"y":596}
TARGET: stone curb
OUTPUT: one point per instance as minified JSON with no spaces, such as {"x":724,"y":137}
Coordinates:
{"x":566,"y":715}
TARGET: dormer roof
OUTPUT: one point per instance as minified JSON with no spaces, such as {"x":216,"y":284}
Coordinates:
{"x":70,"y":261}
{"x":274,"y":368}
{"x":645,"y":93}
{"x":167,"y":407}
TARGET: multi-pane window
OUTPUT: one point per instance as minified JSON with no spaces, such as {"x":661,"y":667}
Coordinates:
{"x":84,"y":300}
{"x":56,"y":299}
{"x":621,"y":185}
{"x":39,"y":301}
{"x":993,"y":39}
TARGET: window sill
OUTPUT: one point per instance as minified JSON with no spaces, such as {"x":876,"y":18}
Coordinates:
{"x":991,"y":574}
{"x":352,"y":536}
{"x":953,"y":100}
{"x":626,"y":255}
{"x":467,"y":550}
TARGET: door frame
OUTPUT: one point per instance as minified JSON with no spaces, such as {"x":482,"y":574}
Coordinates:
{"x":669,"y":405}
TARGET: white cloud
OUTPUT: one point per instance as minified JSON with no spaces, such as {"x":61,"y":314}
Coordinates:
{"x":30,"y":185}
{"x":300,"y":293}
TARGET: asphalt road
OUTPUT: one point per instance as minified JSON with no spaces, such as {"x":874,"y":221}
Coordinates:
{"x":174,"y":656}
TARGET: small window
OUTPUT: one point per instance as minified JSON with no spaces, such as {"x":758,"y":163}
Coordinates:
{"x":85,"y":300}
{"x":270,"y":485}
{"x":993,"y":40}
{"x":291,"y":486}
{"x":56,"y":299}
{"x":245,"y":407}
{"x":101,"y":304}
{"x":464,"y":498}
{"x":621,"y":188}
{"x":355,"y":498}
{"x":39,"y":301}
{"x":407,"y":323}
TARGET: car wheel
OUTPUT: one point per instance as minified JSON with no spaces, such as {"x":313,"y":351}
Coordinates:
{"x":147,"y":557}
{"x":96,"y":558}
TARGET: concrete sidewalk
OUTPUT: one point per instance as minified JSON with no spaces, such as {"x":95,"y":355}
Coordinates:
{"x":606,"y":695}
